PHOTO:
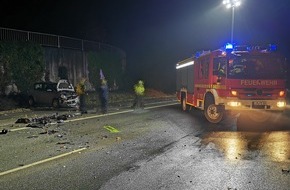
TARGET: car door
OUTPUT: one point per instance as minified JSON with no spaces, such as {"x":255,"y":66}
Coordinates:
{"x":49,"y":93}
{"x":38,"y":93}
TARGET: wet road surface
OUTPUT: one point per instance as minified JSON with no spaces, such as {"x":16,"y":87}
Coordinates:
{"x":158,"y":148}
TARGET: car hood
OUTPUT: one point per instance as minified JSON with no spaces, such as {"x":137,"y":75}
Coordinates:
{"x":64,"y":85}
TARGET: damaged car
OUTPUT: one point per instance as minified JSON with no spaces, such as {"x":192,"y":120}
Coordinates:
{"x":61,"y":94}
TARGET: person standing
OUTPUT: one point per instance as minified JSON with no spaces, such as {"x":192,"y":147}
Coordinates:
{"x":103,"y":94}
{"x":139,"y":93}
{"x":80,"y":90}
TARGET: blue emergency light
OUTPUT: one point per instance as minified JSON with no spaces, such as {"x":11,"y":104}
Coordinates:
{"x":272,"y":47}
{"x":197,"y":54}
{"x":229,"y":46}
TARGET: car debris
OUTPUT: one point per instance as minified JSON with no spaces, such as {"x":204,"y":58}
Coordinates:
{"x":4,"y":131}
{"x":60,"y":121}
{"x":41,"y":120}
{"x":34,"y":126}
{"x":285,"y":171}
{"x":64,"y":142}
{"x":32,"y":137}
{"x":104,"y":136}
{"x":36,"y":121}
{"x":23,"y":120}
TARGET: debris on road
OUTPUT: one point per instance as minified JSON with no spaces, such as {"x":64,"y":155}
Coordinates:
{"x":285,"y":171}
{"x":4,"y":131}
{"x":23,"y":120}
{"x":63,"y":117}
{"x":34,"y":126}
{"x":52,"y":131}
{"x":104,"y":136}
{"x":32,"y":136}
{"x":60,"y":121}
{"x":64,"y":142}
{"x":39,"y":122}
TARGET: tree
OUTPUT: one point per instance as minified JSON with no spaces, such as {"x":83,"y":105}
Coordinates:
{"x":6,"y":57}
{"x":28,"y":67}
{"x":21,"y":63}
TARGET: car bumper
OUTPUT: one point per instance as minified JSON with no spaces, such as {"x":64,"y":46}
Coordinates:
{"x":73,"y":103}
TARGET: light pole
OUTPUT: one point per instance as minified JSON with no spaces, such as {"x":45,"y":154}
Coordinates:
{"x":232,"y":4}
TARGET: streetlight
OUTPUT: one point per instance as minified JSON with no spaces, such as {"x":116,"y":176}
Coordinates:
{"x":232,"y":4}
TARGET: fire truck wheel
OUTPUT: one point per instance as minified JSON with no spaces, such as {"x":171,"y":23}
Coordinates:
{"x":212,"y":113}
{"x":184,"y":106}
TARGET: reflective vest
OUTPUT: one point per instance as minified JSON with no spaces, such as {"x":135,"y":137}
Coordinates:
{"x":80,"y":88}
{"x":139,"y":89}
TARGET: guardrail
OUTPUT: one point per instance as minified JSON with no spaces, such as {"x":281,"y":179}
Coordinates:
{"x":51,"y":40}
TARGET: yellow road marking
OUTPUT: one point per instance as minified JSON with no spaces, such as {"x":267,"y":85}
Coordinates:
{"x":40,"y":162}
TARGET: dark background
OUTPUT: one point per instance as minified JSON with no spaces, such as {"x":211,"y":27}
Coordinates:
{"x":155,"y":34}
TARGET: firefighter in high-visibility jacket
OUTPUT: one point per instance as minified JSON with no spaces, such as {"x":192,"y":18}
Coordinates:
{"x":139,"y":90}
{"x":80,"y":90}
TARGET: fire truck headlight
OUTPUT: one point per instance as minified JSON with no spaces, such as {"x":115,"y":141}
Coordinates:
{"x":281,"y":104}
{"x":234,"y":104}
{"x":234,"y":92}
{"x":282,"y":93}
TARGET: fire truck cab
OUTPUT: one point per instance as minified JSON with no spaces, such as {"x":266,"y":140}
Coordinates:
{"x":232,"y":78}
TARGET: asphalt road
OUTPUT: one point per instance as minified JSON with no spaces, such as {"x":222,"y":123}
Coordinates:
{"x":155,"y":148}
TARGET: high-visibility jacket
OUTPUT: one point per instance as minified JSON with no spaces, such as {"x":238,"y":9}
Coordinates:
{"x":139,"y":89}
{"x":80,"y":90}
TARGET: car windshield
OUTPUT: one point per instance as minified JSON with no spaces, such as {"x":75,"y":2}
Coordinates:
{"x":264,"y":66}
{"x":50,"y":86}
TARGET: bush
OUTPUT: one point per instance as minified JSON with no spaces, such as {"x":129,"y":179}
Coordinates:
{"x":21,"y":63}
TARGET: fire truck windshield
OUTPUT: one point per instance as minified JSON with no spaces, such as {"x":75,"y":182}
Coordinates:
{"x":247,"y":66}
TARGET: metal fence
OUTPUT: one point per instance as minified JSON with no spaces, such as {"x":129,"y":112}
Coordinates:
{"x":55,"y":41}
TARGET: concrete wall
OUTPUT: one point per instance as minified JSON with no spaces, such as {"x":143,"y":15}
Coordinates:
{"x":75,"y":61}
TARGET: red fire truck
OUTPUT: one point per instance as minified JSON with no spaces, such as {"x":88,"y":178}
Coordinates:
{"x":233,"y":78}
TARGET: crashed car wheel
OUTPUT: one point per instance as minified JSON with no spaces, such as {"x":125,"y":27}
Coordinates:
{"x":31,"y":101}
{"x":55,"y":103}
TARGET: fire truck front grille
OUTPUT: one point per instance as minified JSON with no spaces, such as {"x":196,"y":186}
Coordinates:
{"x":255,"y":94}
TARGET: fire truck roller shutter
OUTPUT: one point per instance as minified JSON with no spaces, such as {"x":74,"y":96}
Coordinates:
{"x":181,"y":86}
{"x":178,"y":80}
{"x":181,"y":81}
{"x":185,"y":79}
{"x":213,"y":113}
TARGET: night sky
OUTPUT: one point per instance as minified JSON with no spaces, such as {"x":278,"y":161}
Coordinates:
{"x":155,"y":33}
